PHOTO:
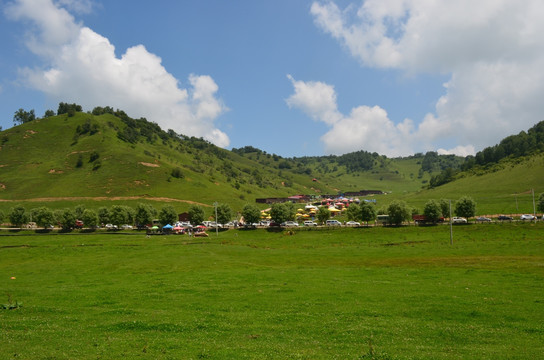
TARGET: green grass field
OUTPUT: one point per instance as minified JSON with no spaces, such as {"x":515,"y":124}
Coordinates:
{"x":367,"y":293}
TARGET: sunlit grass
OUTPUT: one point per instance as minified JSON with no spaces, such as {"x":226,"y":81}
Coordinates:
{"x":391,"y":293}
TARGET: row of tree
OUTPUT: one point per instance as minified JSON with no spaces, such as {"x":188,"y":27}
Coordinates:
{"x":144,"y":214}
{"x":22,"y":116}
{"x":513,"y":146}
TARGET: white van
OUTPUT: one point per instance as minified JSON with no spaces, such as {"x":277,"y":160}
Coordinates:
{"x":333,"y":223}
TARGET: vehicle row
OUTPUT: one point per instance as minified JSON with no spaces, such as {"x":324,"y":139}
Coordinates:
{"x":311,"y":223}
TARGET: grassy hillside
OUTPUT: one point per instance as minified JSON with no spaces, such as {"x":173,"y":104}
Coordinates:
{"x":505,"y":188}
{"x":90,"y":158}
{"x":94,"y":160}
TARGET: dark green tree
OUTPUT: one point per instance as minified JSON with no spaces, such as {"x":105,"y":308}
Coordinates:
{"x":144,"y":215}
{"x":130,"y":214}
{"x":368,"y":212}
{"x":18,"y":216}
{"x":224,"y":213}
{"x":21,"y":116}
{"x":168,"y":215}
{"x":354,"y":212}
{"x":282,"y":212}
{"x":251,"y":214}
{"x":67,"y":219}
{"x":118,"y":215}
{"x":177,"y":173}
{"x":398,"y":212}
{"x":89,"y":218}
{"x":323,"y":214}
{"x":49,"y":113}
{"x":445,"y":207}
{"x":465,"y":207}
{"x":540,"y":204}
{"x":43,"y":216}
{"x":196,"y":214}
{"x":78,"y":211}
{"x":70,"y":109}
{"x":103,"y":215}
{"x":432,"y":211}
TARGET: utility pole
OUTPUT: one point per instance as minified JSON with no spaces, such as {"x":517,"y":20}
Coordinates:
{"x":216,"y":225}
{"x":534,"y":206}
{"x":451,"y":227}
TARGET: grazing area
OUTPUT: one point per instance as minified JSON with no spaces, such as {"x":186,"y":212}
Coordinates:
{"x":350,"y":293}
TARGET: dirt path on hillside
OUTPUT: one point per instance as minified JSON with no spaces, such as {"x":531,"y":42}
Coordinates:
{"x":106,"y":198}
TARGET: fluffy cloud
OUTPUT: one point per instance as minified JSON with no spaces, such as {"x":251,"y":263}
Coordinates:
{"x":365,"y":127}
{"x":493,"y":50}
{"x":315,"y":98}
{"x":82,"y":67}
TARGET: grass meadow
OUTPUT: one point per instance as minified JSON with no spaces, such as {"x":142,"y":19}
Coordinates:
{"x":364,"y":293}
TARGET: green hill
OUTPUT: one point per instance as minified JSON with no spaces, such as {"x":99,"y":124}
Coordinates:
{"x":95,"y":159}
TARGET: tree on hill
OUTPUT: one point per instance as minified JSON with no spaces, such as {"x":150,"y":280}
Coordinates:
{"x":465,"y":207}
{"x":48,"y":113}
{"x":70,"y":109}
{"x":21,"y":116}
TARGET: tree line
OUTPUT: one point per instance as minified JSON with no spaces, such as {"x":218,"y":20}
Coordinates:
{"x":143,"y":214}
{"x":514,"y":146}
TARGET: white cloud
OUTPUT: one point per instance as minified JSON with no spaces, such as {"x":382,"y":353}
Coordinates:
{"x":367,"y":128}
{"x":494,"y":51}
{"x":458,"y":150}
{"x":82,"y":67}
{"x":315,"y":98}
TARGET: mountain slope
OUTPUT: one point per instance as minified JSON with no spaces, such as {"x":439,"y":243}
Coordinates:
{"x":90,"y":156}
{"x":80,"y":157}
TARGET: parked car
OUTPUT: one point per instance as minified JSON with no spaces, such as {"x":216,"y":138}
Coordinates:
{"x":289,"y":224}
{"x":353,"y":223}
{"x":333,"y":223}
{"x":483,"y":219}
{"x":310,"y":223}
{"x":527,"y":217}
{"x":126,"y":227}
{"x":505,"y":218}
{"x":458,"y":220}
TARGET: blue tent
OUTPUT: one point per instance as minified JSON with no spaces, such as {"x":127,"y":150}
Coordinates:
{"x":168,"y":227}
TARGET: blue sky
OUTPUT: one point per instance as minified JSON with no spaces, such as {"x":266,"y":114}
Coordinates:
{"x":290,"y":77}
